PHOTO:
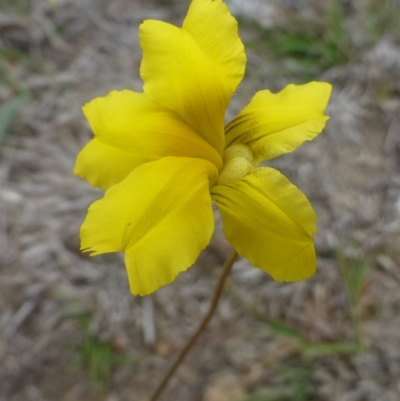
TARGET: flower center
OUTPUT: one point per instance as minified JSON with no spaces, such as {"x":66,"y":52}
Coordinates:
{"x":238,"y":162}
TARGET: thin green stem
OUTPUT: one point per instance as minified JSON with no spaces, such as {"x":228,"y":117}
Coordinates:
{"x":214,"y":303}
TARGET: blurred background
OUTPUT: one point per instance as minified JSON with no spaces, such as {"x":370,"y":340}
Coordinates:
{"x":69,"y":328}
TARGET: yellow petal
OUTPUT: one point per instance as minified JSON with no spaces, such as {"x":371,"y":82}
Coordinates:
{"x":103,"y":165}
{"x":270,"y":222}
{"x":194,"y":70}
{"x":274,"y":124}
{"x":160,"y":215}
{"x":131,"y":130}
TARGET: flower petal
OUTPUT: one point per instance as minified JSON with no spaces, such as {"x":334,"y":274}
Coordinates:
{"x":131,"y":130}
{"x":274,"y":124}
{"x":270,"y":222}
{"x":194,"y":70}
{"x":160,"y":215}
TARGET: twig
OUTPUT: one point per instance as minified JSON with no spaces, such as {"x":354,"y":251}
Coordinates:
{"x":148,"y":327}
{"x":214,"y":303}
{"x":12,"y":22}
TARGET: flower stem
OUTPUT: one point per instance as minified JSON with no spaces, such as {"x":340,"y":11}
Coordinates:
{"x":214,"y":303}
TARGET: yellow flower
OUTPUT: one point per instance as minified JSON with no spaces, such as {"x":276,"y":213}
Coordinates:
{"x":163,"y":155}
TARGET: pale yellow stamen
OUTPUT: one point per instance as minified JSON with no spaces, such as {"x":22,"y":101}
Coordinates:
{"x":238,"y":150}
{"x":238,"y":162}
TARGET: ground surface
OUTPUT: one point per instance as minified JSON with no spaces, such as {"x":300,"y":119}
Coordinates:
{"x":70,"y":330}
